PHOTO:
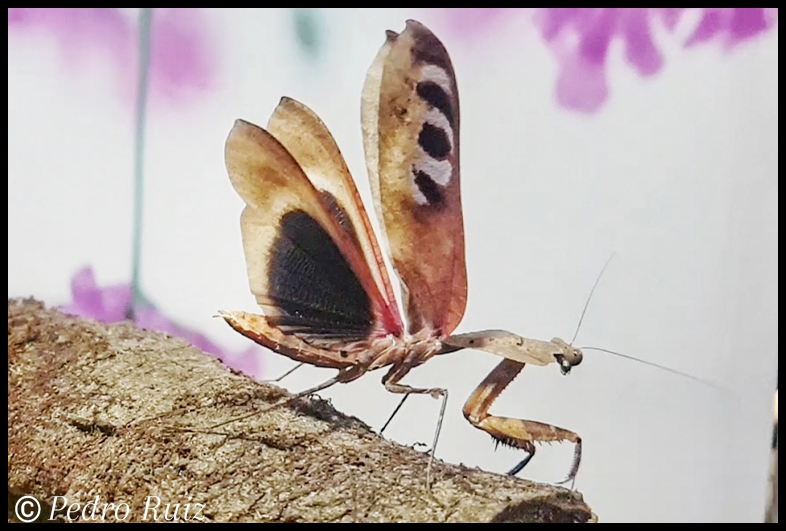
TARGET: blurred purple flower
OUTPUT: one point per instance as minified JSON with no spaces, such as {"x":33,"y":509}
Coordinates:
{"x":732,"y":25}
{"x":580,"y":38}
{"x":111,"y":304}
{"x":182,"y":59}
{"x":469,"y":23}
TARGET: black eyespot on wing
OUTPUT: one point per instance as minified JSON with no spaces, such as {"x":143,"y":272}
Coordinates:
{"x":313,"y":286}
{"x":434,"y":141}
{"x":436,"y":96}
{"x":429,"y":188}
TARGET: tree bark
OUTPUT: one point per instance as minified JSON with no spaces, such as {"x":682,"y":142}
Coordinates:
{"x":113,"y":422}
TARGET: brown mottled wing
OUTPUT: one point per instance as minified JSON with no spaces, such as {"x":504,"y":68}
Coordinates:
{"x":303,"y":267}
{"x":309,"y":141}
{"x":411,"y":136}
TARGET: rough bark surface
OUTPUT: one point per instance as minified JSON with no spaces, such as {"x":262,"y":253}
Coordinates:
{"x":118,"y":415}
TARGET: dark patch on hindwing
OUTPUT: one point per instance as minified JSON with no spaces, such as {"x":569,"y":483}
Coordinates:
{"x":312,"y":285}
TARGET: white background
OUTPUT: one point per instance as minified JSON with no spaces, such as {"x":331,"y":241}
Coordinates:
{"x":677,"y":174}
